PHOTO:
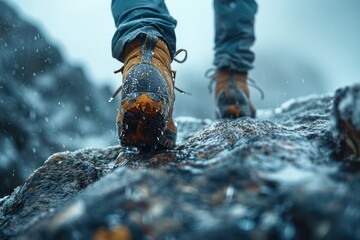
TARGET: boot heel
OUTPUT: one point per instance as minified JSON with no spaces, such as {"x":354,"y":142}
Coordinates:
{"x":233,"y":111}
{"x":143,"y":122}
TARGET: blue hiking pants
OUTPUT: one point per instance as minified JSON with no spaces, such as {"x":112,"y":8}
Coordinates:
{"x":234,"y":29}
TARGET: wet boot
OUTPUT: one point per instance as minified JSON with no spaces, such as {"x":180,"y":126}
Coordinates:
{"x":232,"y":94}
{"x":147,"y":96}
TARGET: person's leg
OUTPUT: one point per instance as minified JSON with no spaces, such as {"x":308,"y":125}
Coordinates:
{"x":140,"y":17}
{"x":234,"y":34}
{"x":145,"y":42}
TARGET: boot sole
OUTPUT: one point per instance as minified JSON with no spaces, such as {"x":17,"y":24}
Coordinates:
{"x":144,"y":121}
{"x":234,"y":111}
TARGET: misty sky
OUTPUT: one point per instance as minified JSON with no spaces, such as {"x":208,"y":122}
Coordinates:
{"x":302,"y":47}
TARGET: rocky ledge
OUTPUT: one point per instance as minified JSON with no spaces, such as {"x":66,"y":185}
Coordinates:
{"x":293,"y":173}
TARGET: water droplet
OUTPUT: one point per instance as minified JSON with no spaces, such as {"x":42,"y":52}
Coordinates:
{"x":34,"y":150}
{"x":59,"y":103}
{"x":303,"y":80}
{"x":289,"y":231}
{"x":232,"y":5}
{"x":32,"y":115}
{"x":230,"y":193}
{"x":246,"y":224}
{"x":87,"y":108}
{"x":128,"y":192}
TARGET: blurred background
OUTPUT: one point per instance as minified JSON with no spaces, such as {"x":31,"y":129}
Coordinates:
{"x":303,"y":47}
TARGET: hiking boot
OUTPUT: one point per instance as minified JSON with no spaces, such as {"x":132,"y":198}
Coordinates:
{"x":232,"y":94}
{"x":147,"y":96}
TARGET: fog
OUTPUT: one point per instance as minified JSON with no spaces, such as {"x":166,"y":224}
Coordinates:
{"x":303,"y":47}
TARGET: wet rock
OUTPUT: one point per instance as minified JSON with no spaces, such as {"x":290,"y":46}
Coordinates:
{"x":46,"y":104}
{"x":274,"y":177}
{"x":346,"y":124}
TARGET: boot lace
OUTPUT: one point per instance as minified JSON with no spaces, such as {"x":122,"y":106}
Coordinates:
{"x":210,"y":74}
{"x":173,"y":73}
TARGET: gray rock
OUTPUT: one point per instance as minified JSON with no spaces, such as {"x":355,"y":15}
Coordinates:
{"x":275,"y":177}
{"x":46,"y":105}
{"x":346,"y":122}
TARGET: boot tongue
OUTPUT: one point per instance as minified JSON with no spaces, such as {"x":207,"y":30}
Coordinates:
{"x":148,"y":48}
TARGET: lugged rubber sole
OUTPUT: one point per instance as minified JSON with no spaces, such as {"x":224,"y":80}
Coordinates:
{"x":234,"y":111}
{"x":143,"y":122}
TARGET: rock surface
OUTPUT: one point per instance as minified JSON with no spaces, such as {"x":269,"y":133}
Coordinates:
{"x":46,"y":105}
{"x":275,"y":177}
{"x":346,"y":122}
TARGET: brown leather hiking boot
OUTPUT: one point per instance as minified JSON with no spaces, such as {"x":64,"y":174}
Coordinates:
{"x":147,"y":96}
{"x":232,"y":94}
